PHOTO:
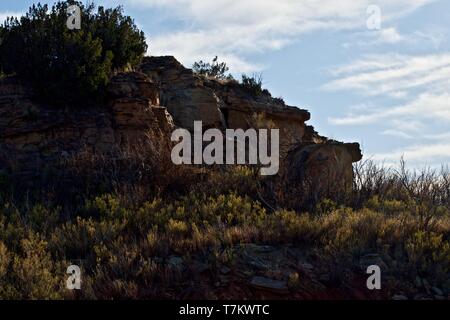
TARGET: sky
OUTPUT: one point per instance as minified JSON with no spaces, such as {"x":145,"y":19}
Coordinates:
{"x":373,"y":72}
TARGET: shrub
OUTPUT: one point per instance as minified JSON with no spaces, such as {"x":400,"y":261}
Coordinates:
{"x":253,"y":84}
{"x":32,"y":272}
{"x":289,"y":226}
{"x":352,"y":232}
{"x":119,"y":35}
{"x":42,"y":219}
{"x":215,"y":69}
{"x":177,"y":227}
{"x":325,"y":206}
{"x":75,"y":240}
{"x":279,"y":100}
{"x":243,"y":180}
{"x":69,"y":66}
{"x":5,"y":258}
{"x":107,"y":207}
{"x":153,"y":247}
{"x":429,"y":254}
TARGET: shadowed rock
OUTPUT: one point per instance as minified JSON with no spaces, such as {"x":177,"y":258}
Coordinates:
{"x":147,"y":105}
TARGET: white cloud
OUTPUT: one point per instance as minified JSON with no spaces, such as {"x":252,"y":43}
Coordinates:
{"x":431,"y":37}
{"x":422,"y":83}
{"x":397,"y":134}
{"x":409,"y":125}
{"x":431,"y":153}
{"x":435,"y":36}
{"x":427,"y":106}
{"x":390,"y":35}
{"x":438,"y":136}
{"x":392,"y":74}
{"x":185,"y":46}
{"x":236,"y":28}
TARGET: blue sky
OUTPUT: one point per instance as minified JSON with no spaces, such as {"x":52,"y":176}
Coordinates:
{"x":387,"y":88}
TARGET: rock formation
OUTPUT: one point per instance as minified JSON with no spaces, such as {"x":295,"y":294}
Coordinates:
{"x":226,"y":104}
{"x":148,"y":104}
{"x":34,"y":136}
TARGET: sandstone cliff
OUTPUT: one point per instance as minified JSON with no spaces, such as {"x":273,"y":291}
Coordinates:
{"x":147,"y":105}
{"x":226,"y":104}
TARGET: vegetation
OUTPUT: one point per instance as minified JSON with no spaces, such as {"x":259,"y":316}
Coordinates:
{"x":219,"y":70}
{"x":215,"y":69}
{"x":69,"y":66}
{"x":253,"y":84}
{"x":141,"y":231}
{"x":140,"y":227}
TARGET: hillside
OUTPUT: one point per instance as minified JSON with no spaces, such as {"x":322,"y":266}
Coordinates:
{"x":96,"y":187}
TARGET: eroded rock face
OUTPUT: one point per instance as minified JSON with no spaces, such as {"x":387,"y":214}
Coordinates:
{"x":147,"y":105}
{"x":226,"y":104}
{"x":183,"y":94}
{"x":135,"y":110}
{"x":323,"y":167}
{"x":221,"y":104}
{"x":134,"y":85}
{"x":34,"y":136}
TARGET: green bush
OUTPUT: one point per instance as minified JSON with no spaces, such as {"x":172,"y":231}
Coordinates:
{"x":30,"y":273}
{"x":69,"y":66}
{"x":215,"y":69}
{"x":429,"y":254}
{"x":253,"y":85}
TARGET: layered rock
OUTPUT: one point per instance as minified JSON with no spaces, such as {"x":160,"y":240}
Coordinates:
{"x":146,"y":106}
{"x":184,"y":94}
{"x":323,"y":167}
{"x":34,"y":136}
{"x":222,"y":104}
{"x":227,"y":104}
{"x":136,"y":112}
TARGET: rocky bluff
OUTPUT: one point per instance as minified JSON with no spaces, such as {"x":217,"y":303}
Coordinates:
{"x":149,"y":104}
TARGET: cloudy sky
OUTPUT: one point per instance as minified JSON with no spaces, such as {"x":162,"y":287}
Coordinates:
{"x":386,"y":86}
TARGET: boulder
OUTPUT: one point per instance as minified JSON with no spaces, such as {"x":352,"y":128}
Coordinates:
{"x":323,"y":167}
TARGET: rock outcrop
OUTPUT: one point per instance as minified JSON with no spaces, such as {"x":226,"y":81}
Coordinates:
{"x":184,"y":94}
{"x":34,"y":136}
{"x":323,"y":167}
{"x":222,"y":104}
{"x":148,"y":105}
{"x":226,"y":104}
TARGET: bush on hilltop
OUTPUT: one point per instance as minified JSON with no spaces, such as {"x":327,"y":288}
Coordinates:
{"x":69,"y":66}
